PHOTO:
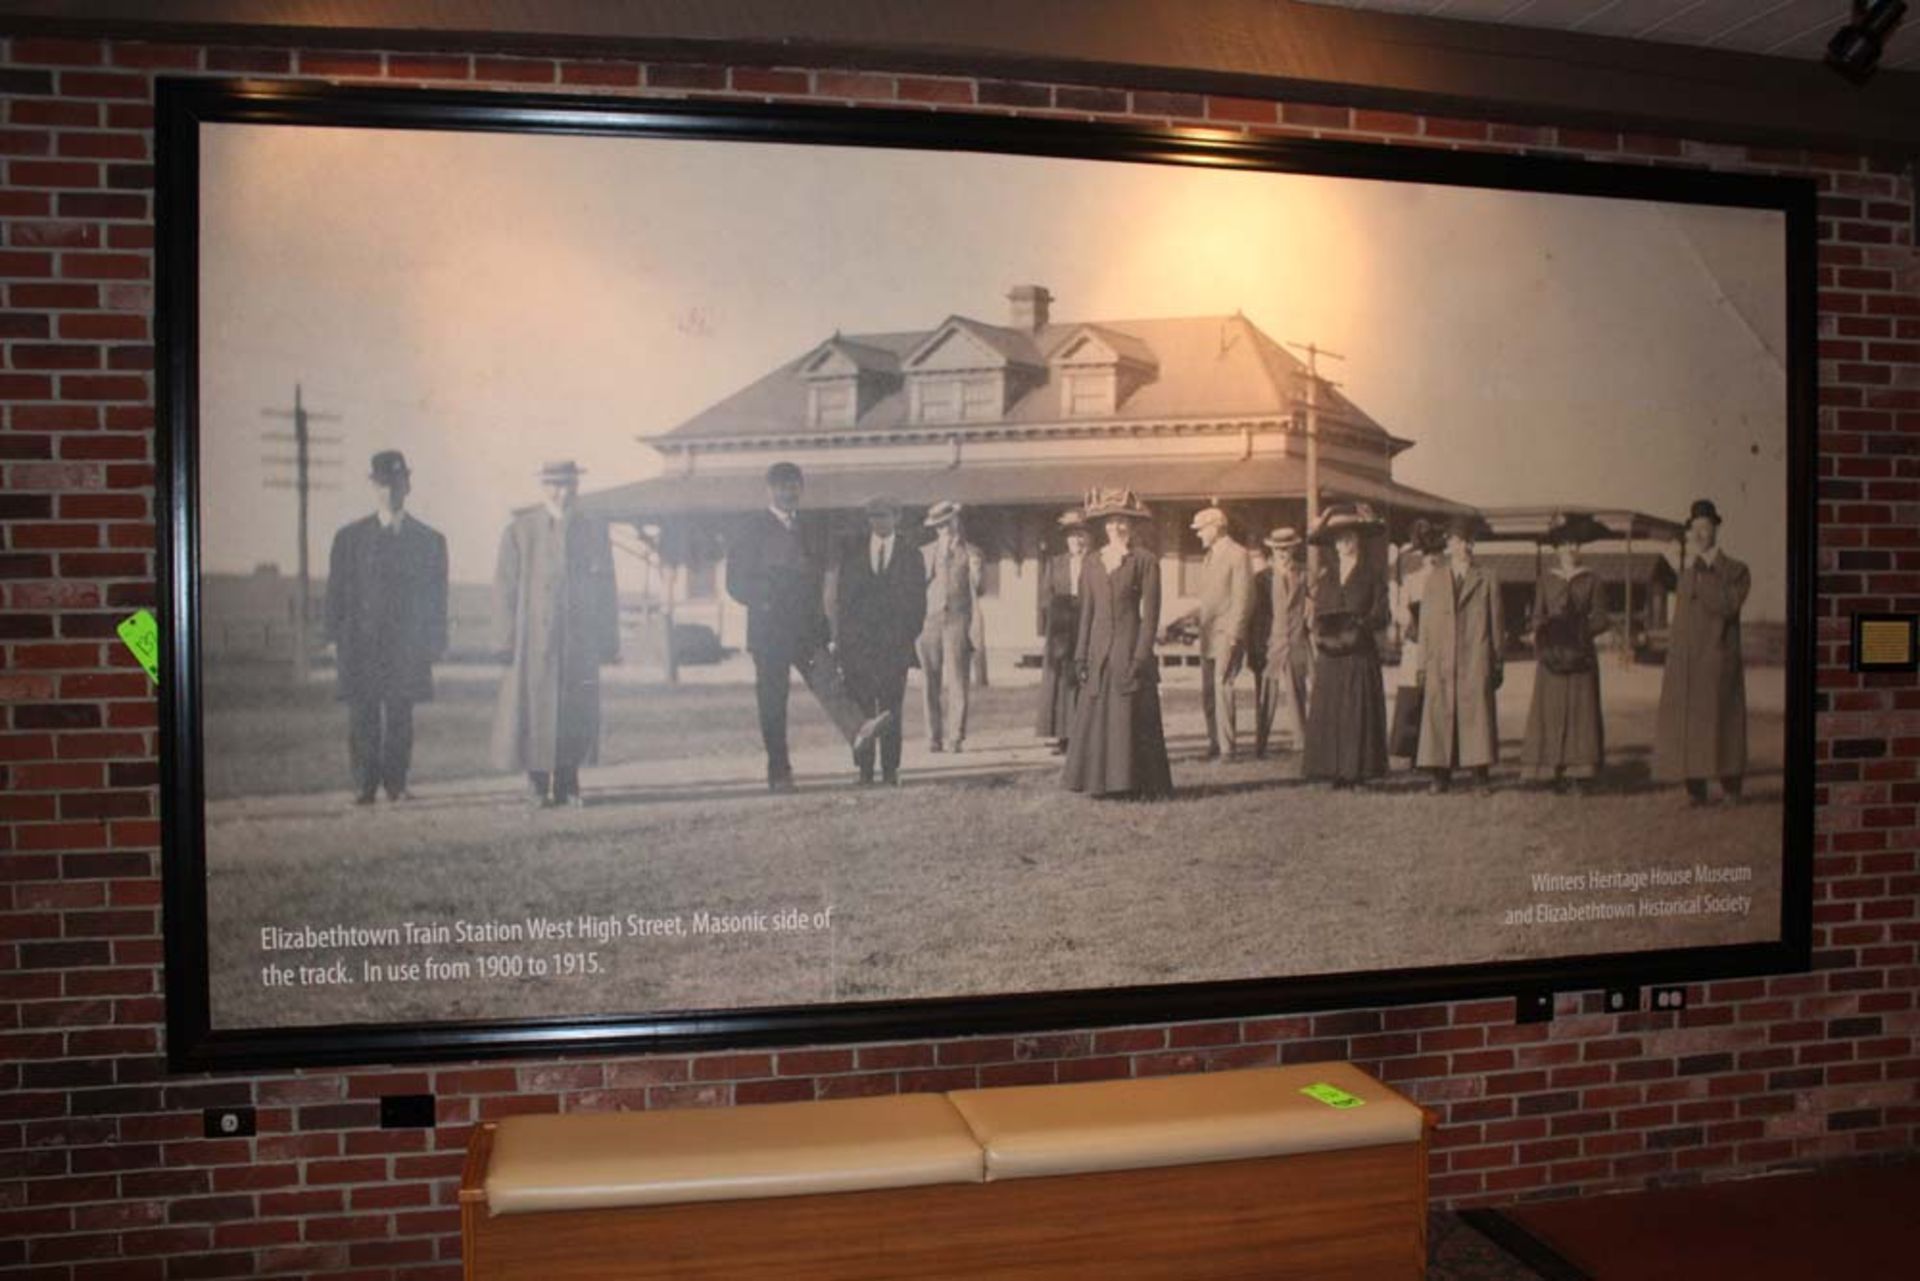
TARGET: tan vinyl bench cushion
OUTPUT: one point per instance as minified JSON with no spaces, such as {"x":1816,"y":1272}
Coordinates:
{"x":1037,"y":1130}
{"x":592,"y":1161}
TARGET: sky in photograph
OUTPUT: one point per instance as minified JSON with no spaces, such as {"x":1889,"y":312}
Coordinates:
{"x":485,"y":302}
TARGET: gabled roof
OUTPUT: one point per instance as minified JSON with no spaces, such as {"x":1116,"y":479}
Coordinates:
{"x":1012,"y":346}
{"x":1205,"y":367}
{"x":864,"y":357}
{"x":1124,"y":346}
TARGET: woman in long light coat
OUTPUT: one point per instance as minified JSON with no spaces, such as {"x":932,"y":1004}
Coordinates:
{"x":1461,"y":631}
{"x":1118,"y":746}
{"x":1566,"y":740}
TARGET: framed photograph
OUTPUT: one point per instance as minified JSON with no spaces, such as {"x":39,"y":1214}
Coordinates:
{"x":647,"y":575}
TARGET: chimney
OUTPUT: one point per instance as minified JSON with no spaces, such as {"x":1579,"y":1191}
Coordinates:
{"x":1029,"y":311}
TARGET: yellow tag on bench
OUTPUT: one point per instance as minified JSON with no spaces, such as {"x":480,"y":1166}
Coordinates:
{"x":1331,"y":1095}
{"x":141,"y":635}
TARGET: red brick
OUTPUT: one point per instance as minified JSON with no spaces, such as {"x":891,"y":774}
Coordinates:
{"x":607,"y":75}
{"x":343,"y":65}
{"x":47,"y":51}
{"x":1253,"y":111}
{"x":842,"y":84}
{"x":516,"y":70}
{"x":401,"y":66}
{"x":757,"y":80}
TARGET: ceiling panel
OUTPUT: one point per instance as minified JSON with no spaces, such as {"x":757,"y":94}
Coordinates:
{"x":1780,"y":28}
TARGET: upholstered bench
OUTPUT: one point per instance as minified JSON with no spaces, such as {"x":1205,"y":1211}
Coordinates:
{"x":1231,"y":1174}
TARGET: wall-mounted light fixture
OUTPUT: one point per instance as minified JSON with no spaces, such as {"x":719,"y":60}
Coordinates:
{"x":1855,"y":49}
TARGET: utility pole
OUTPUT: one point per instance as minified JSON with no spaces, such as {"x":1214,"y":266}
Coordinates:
{"x":303,"y":462}
{"x":1314,"y":353}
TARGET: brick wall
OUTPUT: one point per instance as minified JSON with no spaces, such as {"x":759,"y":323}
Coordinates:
{"x":103,"y":1172}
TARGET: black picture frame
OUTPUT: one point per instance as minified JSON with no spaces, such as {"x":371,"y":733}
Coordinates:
{"x":185,"y":106}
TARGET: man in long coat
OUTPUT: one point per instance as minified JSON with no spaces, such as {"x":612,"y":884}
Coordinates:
{"x":1703,"y":693}
{"x":1226,"y":605}
{"x":953,"y":569}
{"x":387,"y":618}
{"x":556,"y":614}
{"x":781,"y":581}
{"x":874,"y":596}
{"x":1461,"y":630}
{"x":1289,"y":657}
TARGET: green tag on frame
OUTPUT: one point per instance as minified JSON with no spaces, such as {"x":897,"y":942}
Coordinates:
{"x":1331,"y":1095}
{"x":141,"y":635}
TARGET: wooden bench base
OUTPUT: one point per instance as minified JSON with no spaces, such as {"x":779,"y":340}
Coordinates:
{"x":1326,"y":1216}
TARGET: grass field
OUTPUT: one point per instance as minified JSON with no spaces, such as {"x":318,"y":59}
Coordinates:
{"x":996,"y":882}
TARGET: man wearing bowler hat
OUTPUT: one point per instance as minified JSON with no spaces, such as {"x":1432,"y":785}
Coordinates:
{"x":873,"y":596}
{"x":1226,"y":606}
{"x":556,"y":615}
{"x":953,"y":571}
{"x":386,"y":615}
{"x":780,"y":577}
{"x":1703,"y":692}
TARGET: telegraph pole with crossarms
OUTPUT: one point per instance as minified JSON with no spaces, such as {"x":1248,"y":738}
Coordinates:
{"x":303,"y":462}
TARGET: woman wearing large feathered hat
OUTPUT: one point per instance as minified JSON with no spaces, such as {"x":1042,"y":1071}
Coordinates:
{"x":1118,"y":746}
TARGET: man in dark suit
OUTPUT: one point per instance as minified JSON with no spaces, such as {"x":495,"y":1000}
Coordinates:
{"x":387,"y":619}
{"x":780,"y":579}
{"x":874,"y":606}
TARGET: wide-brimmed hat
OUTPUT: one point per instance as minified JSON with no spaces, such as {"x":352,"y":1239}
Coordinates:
{"x":1283,"y":539}
{"x":1429,"y":538}
{"x":561,"y":469}
{"x":942,"y":512}
{"x":1104,"y":504}
{"x":1072,"y":518}
{"x":1703,"y":507}
{"x":1574,"y":528}
{"x":388,"y":466}
{"x":1208,"y":516}
{"x":1341,"y":518}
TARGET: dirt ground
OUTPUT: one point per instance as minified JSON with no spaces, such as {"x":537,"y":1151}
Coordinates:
{"x":979,"y":876}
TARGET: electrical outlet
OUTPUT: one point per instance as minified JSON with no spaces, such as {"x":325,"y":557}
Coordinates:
{"x":1622,"y":1000}
{"x":1533,"y":1007}
{"x":227,"y":1123}
{"x":406,"y":1112}
{"x":1670,"y":998}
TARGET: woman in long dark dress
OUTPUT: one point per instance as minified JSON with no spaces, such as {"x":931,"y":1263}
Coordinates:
{"x":1060,"y":632}
{"x":1566,"y":741}
{"x":1118,"y":746}
{"x":1347,"y":715}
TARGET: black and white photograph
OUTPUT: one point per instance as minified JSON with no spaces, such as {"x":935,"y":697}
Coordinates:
{"x":651,"y":576}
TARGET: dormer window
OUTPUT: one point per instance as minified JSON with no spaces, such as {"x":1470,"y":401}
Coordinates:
{"x":832,"y":403}
{"x":1089,"y":393}
{"x":845,"y":379}
{"x":1096,"y":369}
{"x":966,"y":372}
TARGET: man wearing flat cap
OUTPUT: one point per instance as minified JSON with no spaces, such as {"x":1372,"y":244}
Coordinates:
{"x":780,"y":578}
{"x":1703,"y":692}
{"x":873,"y":595}
{"x":386,"y":615}
{"x":953,"y":569}
{"x":1226,"y":606}
{"x":556,"y":614}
